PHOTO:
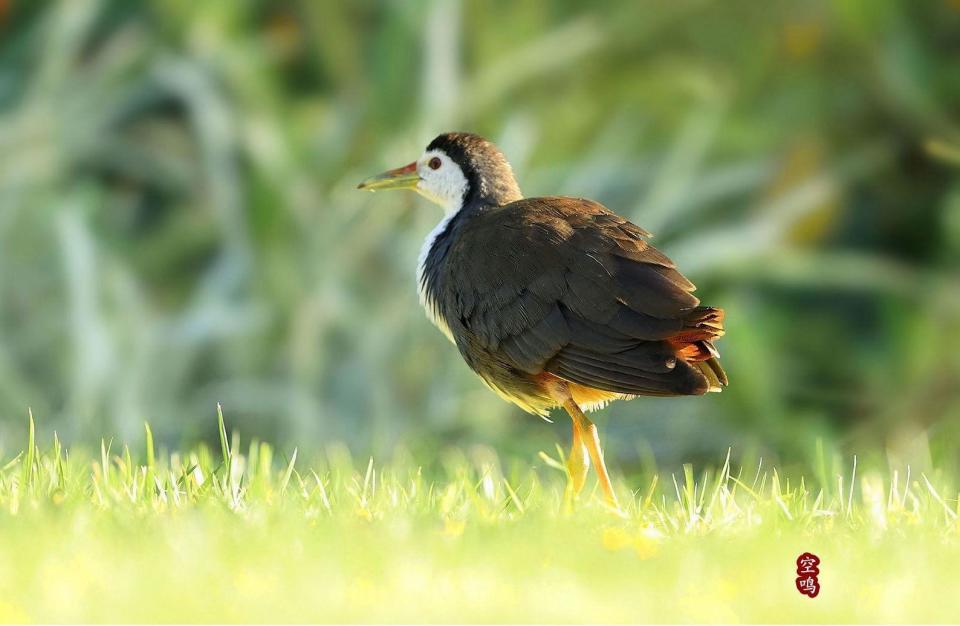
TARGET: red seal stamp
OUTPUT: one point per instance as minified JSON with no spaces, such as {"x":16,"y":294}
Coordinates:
{"x":808,"y":569}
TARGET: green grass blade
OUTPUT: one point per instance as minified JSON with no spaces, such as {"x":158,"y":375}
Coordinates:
{"x":288,"y":473}
{"x":151,"y":457}
{"x":30,"y":458}
{"x":224,"y":447}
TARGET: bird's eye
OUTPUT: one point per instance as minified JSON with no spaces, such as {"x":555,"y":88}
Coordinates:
{"x":435,"y":163}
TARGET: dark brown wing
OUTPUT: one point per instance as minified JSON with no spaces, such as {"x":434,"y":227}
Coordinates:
{"x":564,"y":286}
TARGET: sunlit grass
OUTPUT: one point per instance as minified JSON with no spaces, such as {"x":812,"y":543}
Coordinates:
{"x":248,"y":532}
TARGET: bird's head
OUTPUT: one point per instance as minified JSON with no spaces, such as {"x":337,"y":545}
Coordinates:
{"x":454,"y":170}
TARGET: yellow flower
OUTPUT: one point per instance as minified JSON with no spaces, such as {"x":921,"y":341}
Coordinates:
{"x":644,"y":543}
{"x":364,"y":513}
{"x":453,"y":527}
{"x":615,"y":538}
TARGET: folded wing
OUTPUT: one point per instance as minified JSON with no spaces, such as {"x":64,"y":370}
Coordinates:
{"x":564,"y":286}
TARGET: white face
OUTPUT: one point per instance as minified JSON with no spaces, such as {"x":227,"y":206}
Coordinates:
{"x":441,"y":180}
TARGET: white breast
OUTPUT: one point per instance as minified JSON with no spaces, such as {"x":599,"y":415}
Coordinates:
{"x":429,"y":305}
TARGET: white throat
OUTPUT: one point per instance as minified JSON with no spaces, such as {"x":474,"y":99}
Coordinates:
{"x":445,"y":185}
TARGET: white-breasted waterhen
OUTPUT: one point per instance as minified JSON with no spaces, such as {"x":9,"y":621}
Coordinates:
{"x":553,"y":301}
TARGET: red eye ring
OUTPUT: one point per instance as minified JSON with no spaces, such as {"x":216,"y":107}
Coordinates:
{"x":435,"y":163}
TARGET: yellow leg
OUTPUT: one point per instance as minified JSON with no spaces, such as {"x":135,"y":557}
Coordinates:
{"x":591,"y":441}
{"x":584,"y":432}
{"x":578,"y":463}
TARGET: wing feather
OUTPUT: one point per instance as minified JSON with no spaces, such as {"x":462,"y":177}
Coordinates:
{"x":564,"y":286}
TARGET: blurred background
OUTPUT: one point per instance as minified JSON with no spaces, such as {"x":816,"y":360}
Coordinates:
{"x":179,"y":223}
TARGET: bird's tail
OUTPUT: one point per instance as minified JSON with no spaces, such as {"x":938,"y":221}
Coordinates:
{"x":694,"y":344}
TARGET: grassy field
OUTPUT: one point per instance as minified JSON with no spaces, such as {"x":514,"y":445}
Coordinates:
{"x":247,"y":533}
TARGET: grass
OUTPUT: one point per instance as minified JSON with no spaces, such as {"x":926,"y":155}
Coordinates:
{"x":246,"y":533}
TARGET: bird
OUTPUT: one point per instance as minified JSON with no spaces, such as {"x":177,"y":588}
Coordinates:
{"x":553,"y":301}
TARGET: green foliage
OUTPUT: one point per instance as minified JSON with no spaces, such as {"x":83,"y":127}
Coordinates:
{"x":193,"y":536}
{"x":179,"y":224}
